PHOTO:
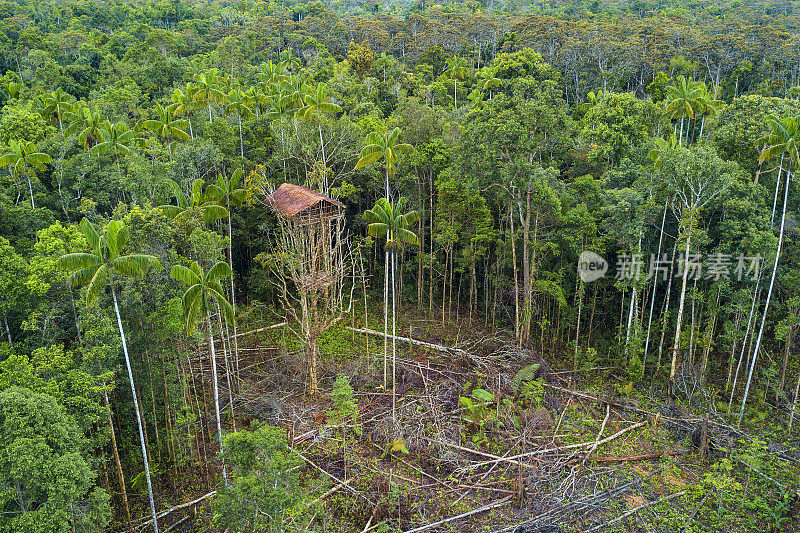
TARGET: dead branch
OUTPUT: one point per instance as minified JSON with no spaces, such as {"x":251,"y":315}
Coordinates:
{"x":495,"y":505}
{"x":162,"y":514}
{"x":636,"y":510}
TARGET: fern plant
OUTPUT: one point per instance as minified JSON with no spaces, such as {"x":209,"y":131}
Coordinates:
{"x":527,"y":387}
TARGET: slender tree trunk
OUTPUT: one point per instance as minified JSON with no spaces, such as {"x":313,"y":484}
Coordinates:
{"x":385,"y":319}
{"x":241,"y":138}
{"x":420,"y":231}
{"x":225,"y":353}
{"x":750,"y":322}
{"x":655,"y":285}
{"x":769,"y":296}
{"x":676,"y":345}
{"x":118,"y":464}
{"x":216,"y":391}
{"x":30,"y":188}
{"x":733,"y":352}
{"x":581,"y":290}
{"x":794,"y":404}
{"x":394,"y":344}
{"x":233,"y":298}
{"x":694,"y":321}
{"x":710,"y":336}
{"x":138,"y":411}
{"x":517,"y":328}
{"x":775,"y":197}
{"x":8,"y":330}
{"x":788,"y":343}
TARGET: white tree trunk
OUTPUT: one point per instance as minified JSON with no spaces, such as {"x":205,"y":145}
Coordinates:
{"x":138,"y":411}
{"x":394,"y":346}
{"x":676,"y":345}
{"x":756,"y":294}
{"x":216,"y":390}
{"x":385,"y":319}
{"x":233,"y":299}
{"x":769,"y":297}
{"x":655,"y":285}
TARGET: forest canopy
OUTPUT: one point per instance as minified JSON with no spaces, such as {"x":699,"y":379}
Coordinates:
{"x":496,"y":203}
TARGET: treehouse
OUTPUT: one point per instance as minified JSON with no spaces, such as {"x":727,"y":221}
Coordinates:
{"x":304,"y":206}
{"x":311,"y":236}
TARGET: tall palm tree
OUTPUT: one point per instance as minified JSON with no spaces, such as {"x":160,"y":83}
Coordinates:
{"x":384,"y":146}
{"x":207,"y":90}
{"x":489,"y":80}
{"x":167,"y":127}
{"x":683,"y":100}
{"x":196,"y":202}
{"x":388,"y":221}
{"x":289,"y":61}
{"x":227,"y":194}
{"x":202,"y":289}
{"x":57,"y":103}
{"x":316,"y":101}
{"x":86,"y":124}
{"x":709,"y":106}
{"x":783,"y":140}
{"x":97,"y":269}
{"x":115,"y":138}
{"x":476,"y":97}
{"x":22,"y":158}
{"x":272,"y":73}
{"x":237,"y":102}
{"x":182,"y":103}
{"x":456,"y":69}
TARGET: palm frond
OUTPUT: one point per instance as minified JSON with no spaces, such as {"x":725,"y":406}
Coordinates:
{"x":185,"y":275}
{"x":219,"y":271}
{"x":77,"y":261}
{"x":90,"y":233}
{"x":96,"y":284}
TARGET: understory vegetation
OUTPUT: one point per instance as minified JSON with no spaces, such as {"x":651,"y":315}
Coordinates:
{"x":399,"y":266}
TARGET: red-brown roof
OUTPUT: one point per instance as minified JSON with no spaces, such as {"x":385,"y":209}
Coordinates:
{"x":290,"y":200}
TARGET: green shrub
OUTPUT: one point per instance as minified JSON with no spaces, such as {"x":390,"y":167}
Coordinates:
{"x":263,"y":486}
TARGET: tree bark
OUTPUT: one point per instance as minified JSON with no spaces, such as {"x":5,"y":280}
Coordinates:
{"x":136,"y":408}
{"x":118,"y":464}
{"x":394,"y":345}
{"x":769,"y":296}
{"x":676,"y":345}
{"x":216,"y":390}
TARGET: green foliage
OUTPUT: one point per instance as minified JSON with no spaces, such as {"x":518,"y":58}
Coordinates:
{"x":527,"y":386}
{"x":264,"y":485}
{"x":344,"y":410}
{"x":478,"y":412}
{"x":45,"y":468}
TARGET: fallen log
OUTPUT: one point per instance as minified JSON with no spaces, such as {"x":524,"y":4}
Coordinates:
{"x":273,"y":326}
{"x":162,"y":514}
{"x":417,"y":342}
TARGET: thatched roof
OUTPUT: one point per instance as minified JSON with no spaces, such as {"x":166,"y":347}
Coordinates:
{"x":296,"y":201}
